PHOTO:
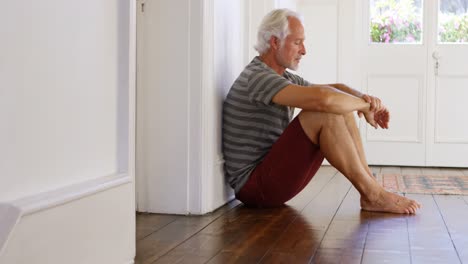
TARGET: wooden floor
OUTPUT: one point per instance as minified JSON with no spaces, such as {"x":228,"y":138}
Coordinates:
{"x":323,"y":224}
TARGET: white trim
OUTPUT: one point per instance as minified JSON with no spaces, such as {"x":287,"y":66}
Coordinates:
{"x":195,"y":102}
{"x":46,"y":200}
{"x":140,"y":181}
{"x":430,"y":41}
{"x":189,"y":201}
{"x":131,"y":155}
{"x":9,"y":217}
{"x":43,"y":201}
{"x":436,"y":107}
{"x":207,"y":109}
{"x":420,"y":129}
{"x":132,"y":92}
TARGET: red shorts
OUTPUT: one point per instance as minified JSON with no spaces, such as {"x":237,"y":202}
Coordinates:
{"x":289,"y":166}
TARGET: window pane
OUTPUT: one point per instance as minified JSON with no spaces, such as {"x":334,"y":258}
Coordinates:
{"x":395,"y":21}
{"x":453,"y":21}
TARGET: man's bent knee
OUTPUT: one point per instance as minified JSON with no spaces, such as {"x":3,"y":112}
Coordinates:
{"x":313,"y":122}
{"x":350,"y":117}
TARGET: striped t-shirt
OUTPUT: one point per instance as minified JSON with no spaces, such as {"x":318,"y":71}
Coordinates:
{"x":251,"y":121}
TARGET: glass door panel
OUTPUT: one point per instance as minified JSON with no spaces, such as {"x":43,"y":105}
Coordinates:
{"x":396,"y":21}
{"x":453,"y":21}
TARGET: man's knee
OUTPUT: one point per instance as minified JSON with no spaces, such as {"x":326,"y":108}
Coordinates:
{"x":349,"y":115}
{"x":314,"y":122}
{"x":351,"y":120}
{"x":320,"y":118}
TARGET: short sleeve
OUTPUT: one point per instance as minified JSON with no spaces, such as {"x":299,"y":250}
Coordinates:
{"x":263,"y":86}
{"x":296,"y":79}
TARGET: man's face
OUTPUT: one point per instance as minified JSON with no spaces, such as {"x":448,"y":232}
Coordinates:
{"x":292,"y":50}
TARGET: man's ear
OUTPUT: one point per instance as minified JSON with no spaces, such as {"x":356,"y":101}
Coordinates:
{"x":274,"y":42}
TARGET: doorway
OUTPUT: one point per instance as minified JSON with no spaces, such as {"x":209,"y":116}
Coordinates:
{"x":415,"y":58}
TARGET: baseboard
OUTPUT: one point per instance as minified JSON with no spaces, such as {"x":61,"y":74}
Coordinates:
{"x":9,"y":217}
{"x":46,"y":200}
{"x":220,"y":193}
{"x":12,"y":212}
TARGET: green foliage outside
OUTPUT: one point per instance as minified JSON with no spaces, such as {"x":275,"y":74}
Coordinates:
{"x":453,"y":28}
{"x":394,"y":21}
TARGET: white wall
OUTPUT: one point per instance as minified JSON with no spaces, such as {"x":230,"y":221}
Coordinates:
{"x":254,"y":13}
{"x":164,"y":104}
{"x":66,"y":111}
{"x":319,"y":65}
{"x":229,"y":60}
{"x":59,"y":94}
{"x":185,"y":67}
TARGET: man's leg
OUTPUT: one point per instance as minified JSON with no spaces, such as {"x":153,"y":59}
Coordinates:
{"x":287,"y":168}
{"x":331,"y":133}
{"x":354,"y":131}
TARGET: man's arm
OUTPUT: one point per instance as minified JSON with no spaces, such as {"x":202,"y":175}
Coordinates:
{"x":375,"y":102}
{"x":346,"y":89}
{"x":321,"y":98}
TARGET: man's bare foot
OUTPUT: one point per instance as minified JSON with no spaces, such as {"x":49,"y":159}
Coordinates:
{"x":390,"y":203}
{"x":372,"y":174}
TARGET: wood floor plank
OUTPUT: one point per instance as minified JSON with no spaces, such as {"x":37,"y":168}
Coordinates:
{"x":252,"y":246}
{"x":387,"y":239}
{"x":386,"y":245}
{"x":238,"y":232}
{"x":336,"y":255}
{"x":454,"y":210}
{"x":249,"y":243}
{"x":428,"y":237}
{"x":196,"y":250}
{"x":158,"y":243}
{"x":302,"y":238}
{"x":149,"y":223}
{"x":345,"y":238}
{"x":243,"y":235}
{"x":322,"y":177}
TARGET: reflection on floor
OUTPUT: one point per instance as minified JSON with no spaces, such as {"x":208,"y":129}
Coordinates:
{"x":323,"y":224}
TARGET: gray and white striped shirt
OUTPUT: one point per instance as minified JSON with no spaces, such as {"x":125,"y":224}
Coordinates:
{"x":251,"y":121}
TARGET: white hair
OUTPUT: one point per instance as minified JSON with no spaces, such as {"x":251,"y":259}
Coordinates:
{"x":275,"y":24}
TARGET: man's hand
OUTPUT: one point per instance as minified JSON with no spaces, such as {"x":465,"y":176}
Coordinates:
{"x":375,"y":103}
{"x":378,"y":118}
{"x":377,"y":115}
{"x":382,"y":117}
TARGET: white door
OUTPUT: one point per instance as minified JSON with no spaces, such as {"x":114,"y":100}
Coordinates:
{"x":447,"y":143}
{"x":394,"y":69}
{"x":399,"y":40}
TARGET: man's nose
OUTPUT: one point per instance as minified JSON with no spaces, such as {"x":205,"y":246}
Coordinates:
{"x":303,"y":50}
